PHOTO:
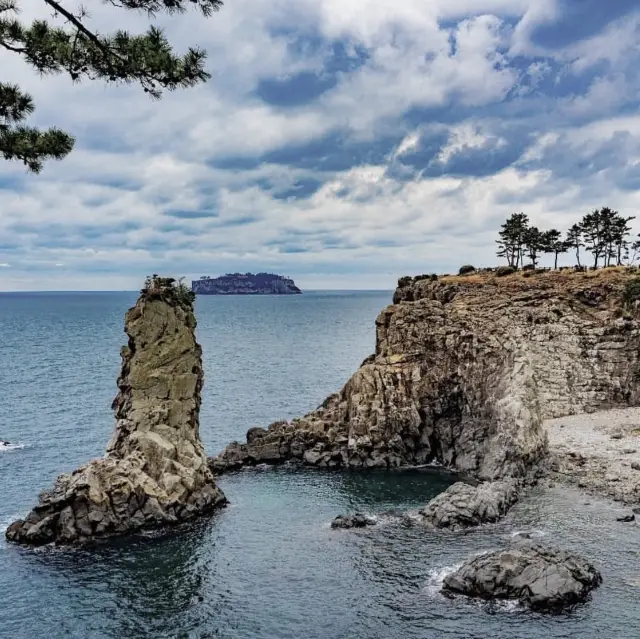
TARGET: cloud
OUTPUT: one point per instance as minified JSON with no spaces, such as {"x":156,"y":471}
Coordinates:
{"x":343,"y":143}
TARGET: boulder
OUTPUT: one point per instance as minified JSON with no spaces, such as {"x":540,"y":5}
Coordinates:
{"x":352,"y":521}
{"x":542,"y":578}
{"x":463,"y":505}
{"x":155,"y":471}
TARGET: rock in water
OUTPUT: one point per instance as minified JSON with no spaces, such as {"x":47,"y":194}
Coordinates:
{"x":463,"y":505}
{"x":154,"y":471}
{"x":352,"y":521}
{"x":542,"y":578}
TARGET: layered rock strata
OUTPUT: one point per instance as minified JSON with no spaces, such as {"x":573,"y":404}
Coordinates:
{"x":542,"y":578}
{"x":465,"y":370}
{"x":154,"y":472}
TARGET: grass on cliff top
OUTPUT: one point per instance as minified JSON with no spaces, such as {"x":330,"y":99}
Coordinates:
{"x":610,"y":273}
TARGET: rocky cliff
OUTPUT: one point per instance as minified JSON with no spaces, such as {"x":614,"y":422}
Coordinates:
{"x":154,"y":471}
{"x":464,"y":372}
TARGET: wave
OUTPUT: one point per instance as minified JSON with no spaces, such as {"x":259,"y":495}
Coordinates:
{"x":436,"y":578}
{"x":6,"y":447}
{"x":527,"y":534}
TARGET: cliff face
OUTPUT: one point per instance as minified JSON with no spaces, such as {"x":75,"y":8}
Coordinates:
{"x":155,"y":470}
{"x":464,"y":372}
{"x":245,"y":284}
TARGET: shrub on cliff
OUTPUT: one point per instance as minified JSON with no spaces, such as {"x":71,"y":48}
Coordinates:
{"x":501,"y":271}
{"x":404,"y":281}
{"x":466,"y":269}
{"x":169,"y":289}
{"x":631,"y":293}
{"x":433,"y":277}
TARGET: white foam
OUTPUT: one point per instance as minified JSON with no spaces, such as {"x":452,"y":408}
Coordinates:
{"x":5,"y":447}
{"x":436,"y":578}
{"x":534,"y":534}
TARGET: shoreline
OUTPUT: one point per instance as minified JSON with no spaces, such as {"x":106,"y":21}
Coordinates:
{"x":598,"y":452}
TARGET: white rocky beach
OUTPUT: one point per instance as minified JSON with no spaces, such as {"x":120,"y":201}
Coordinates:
{"x":598,"y":452}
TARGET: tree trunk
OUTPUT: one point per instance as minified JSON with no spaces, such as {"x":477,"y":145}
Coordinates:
{"x":555,"y":265}
{"x":578,"y":255}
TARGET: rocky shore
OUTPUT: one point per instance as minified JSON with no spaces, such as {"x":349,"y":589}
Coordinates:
{"x":154,"y":472}
{"x":598,"y":452}
{"x":465,"y":371}
{"x":478,"y":374}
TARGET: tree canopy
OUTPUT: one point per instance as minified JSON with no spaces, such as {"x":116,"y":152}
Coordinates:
{"x":603,"y":233}
{"x":84,"y":54}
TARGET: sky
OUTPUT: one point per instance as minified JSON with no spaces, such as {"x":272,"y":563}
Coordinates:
{"x":344,"y":143}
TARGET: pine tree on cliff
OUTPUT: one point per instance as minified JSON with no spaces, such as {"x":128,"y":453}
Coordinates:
{"x":574,"y":241}
{"x":512,"y":239}
{"x":552,"y":243}
{"x":534,"y":242}
{"x":593,"y":233}
{"x":620,"y":232}
{"x":74,"y":49}
{"x":605,"y":234}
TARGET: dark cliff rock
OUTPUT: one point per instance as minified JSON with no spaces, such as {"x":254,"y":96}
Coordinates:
{"x":155,"y":470}
{"x":465,"y":370}
{"x":245,"y":284}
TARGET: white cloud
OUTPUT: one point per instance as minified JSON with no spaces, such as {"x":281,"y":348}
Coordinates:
{"x":119,"y":206}
{"x":465,"y":137}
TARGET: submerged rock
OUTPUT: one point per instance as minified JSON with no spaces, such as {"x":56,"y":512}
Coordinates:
{"x":463,"y":505}
{"x":353,"y":521}
{"x":539,"y":577}
{"x":154,"y":471}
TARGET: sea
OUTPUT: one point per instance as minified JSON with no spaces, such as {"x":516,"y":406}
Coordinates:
{"x":268,"y":566}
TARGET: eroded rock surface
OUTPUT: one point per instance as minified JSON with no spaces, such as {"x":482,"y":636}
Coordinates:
{"x":155,"y":470}
{"x":359,"y":520}
{"x":464,"y":372}
{"x":462,"y":505}
{"x":542,"y":578}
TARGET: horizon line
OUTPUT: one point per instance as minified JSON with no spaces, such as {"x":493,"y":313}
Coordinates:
{"x":309,"y":290}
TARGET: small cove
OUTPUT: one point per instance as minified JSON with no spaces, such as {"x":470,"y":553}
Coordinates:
{"x":268,"y":565}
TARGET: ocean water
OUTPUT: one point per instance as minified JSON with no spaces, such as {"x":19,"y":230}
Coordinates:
{"x":268,"y":566}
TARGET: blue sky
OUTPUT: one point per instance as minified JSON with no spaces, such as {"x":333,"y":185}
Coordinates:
{"x":342,"y":142}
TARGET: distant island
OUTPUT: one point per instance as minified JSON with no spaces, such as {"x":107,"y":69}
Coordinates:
{"x":245,"y":284}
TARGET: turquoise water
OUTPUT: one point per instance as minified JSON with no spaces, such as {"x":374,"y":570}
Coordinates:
{"x":268,"y":566}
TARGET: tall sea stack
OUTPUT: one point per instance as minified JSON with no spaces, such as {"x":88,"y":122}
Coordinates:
{"x":154,"y":472}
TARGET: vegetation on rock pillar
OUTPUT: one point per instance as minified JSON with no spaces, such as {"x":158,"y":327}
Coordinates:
{"x":84,"y":54}
{"x":170,"y":290}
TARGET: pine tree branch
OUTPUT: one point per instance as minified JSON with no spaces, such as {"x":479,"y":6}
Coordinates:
{"x":81,"y":28}
{"x":10,"y":48}
{"x":82,"y":53}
